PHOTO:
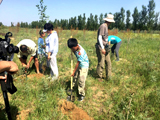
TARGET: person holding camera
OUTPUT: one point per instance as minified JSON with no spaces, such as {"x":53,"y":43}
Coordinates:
{"x":8,"y":66}
{"x":102,"y":48}
{"x":28,"y":47}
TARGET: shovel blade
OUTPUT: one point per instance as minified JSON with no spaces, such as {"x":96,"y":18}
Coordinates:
{"x":71,"y":98}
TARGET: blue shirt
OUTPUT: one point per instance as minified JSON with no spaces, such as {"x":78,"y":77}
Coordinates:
{"x":40,"y":43}
{"x":113,"y":39}
{"x":52,"y":43}
{"x":82,"y":57}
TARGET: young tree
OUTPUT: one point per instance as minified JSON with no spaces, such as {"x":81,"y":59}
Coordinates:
{"x":143,"y":18}
{"x":151,"y":15}
{"x":135,"y":16}
{"x":1,"y":24}
{"x":88,"y":25}
{"x":91,"y":22}
{"x":105,"y":15}
{"x":95,"y":22}
{"x":80,"y":22}
{"x":128,"y":24}
{"x":101,"y":19}
{"x":117,"y":19}
{"x":122,"y":16}
{"x":155,"y":27}
{"x":84,"y":21}
{"x":42,"y":9}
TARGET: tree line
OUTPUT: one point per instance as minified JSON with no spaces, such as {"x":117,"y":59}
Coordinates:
{"x":146,"y":19}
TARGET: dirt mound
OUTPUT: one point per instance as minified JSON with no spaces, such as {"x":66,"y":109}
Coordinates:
{"x":73,"y":111}
{"x":35,"y":75}
{"x":23,"y":114}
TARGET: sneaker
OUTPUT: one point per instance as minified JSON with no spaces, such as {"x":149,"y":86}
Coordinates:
{"x":100,"y":79}
{"x":53,"y":79}
{"x":117,"y":59}
{"x":81,"y":98}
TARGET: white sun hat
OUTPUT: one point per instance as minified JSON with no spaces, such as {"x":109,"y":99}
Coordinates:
{"x":44,"y":30}
{"x":109,"y":18}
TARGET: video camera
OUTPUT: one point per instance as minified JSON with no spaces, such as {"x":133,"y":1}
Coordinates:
{"x":7,"y":49}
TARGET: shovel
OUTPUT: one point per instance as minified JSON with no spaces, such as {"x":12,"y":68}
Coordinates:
{"x":70,"y":96}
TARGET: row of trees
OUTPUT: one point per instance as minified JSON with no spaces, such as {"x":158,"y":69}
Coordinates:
{"x":146,"y":19}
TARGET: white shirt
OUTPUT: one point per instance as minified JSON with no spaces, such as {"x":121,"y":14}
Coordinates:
{"x":31,"y":48}
{"x":52,"y":43}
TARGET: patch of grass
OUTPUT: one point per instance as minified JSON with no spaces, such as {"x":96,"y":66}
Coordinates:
{"x":132,"y":93}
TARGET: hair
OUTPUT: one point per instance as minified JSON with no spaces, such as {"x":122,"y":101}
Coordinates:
{"x":23,"y":48}
{"x":72,"y":42}
{"x":41,"y":32}
{"x":48,"y":26}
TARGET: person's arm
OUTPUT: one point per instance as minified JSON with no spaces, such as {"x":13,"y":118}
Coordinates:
{"x":101,"y":44}
{"x":28,"y":64}
{"x":8,"y":66}
{"x":23,"y":63}
{"x":49,"y":55}
{"x":75,"y":68}
{"x":109,"y":42}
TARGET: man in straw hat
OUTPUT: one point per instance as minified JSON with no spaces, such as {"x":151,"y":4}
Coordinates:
{"x":103,"y":48}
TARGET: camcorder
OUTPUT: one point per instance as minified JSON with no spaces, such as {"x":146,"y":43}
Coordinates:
{"x":7,"y":50}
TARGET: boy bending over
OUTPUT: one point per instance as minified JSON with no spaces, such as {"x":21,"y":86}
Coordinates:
{"x":81,"y":69}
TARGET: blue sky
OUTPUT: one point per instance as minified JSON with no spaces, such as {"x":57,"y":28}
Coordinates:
{"x":26,"y":10}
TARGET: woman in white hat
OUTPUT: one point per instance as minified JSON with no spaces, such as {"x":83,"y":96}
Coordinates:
{"x":102,"y":48}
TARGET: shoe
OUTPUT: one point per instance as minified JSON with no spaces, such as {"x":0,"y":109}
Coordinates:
{"x":53,"y":79}
{"x":81,"y":98}
{"x":117,"y":59}
{"x":100,"y":79}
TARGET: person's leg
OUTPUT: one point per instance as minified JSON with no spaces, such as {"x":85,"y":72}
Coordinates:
{"x":75,"y":79}
{"x":36,"y":62}
{"x":23,"y":61}
{"x":47,"y":62}
{"x":82,"y":78}
{"x":54,"y":68}
{"x":108,"y":65}
{"x":117,"y":50}
{"x":40,"y":62}
{"x":101,"y":59}
{"x":113,"y":48}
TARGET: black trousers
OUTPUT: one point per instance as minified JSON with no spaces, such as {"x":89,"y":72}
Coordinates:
{"x":115,"y":48}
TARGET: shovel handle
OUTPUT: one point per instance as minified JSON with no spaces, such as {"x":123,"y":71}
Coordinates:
{"x":71,"y":69}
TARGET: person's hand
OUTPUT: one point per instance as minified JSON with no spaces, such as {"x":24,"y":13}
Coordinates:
{"x":72,"y":74}
{"x":28,"y":65}
{"x":49,"y":57}
{"x":4,"y":78}
{"x":103,"y":51}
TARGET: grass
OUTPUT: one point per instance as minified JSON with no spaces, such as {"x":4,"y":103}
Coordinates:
{"x":133,"y":92}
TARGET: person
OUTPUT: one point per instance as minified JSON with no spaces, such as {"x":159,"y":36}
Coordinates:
{"x":52,"y":49}
{"x":28,"y":47}
{"x":8,"y":66}
{"x":81,"y":69}
{"x":41,"y":47}
{"x":116,"y":41}
{"x":102,"y":48}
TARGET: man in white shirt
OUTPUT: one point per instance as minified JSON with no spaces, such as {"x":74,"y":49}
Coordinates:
{"x":52,"y":49}
{"x":28,"y":47}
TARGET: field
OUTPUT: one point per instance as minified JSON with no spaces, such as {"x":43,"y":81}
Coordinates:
{"x":132,"y":93}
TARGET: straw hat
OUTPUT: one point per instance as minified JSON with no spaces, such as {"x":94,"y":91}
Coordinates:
{"x":109,"y":18}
